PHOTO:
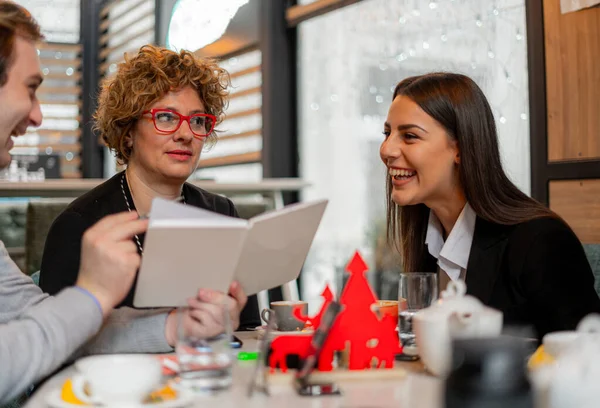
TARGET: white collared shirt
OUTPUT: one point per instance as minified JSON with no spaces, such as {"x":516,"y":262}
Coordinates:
{"x":453,"y":254}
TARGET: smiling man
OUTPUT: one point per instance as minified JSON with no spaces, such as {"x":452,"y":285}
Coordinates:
{"x":39,"y":332}
{"x":20,"y":106}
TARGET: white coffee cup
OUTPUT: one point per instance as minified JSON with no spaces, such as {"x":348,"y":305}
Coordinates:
{"x":122,"y":380}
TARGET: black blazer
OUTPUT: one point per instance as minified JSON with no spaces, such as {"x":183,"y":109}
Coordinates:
{"x":536,"y":273}
{"x":60,"y":261}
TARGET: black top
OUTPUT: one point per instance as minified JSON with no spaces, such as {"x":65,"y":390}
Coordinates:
{"x":535,"y":272}
{"x":60,"y":262}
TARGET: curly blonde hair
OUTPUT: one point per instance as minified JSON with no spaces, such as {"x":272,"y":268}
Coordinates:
{"x":145,"y":78}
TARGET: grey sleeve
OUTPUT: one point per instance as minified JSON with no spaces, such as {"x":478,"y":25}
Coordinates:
{"x":129,"y":330}
{"x":38,"y":332}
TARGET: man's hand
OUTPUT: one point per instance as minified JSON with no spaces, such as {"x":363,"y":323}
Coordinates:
{"x":205,"y":316}
{"x":109,"y":258}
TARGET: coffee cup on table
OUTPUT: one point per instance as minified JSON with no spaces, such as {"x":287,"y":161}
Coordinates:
{"x":283,"y":313}
{"x":389,"y":307}
{"x":123,"y":380}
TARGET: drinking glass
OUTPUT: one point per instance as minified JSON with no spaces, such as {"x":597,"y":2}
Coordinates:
{"x":205,"y":362}
{"x":419,"y":290}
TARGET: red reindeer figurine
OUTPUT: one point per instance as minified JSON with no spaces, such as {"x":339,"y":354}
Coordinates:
{"x":282,"y":346}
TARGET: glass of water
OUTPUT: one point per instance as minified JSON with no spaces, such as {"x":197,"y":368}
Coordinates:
{"x":205,"y":362}
{"x":417,"y":290}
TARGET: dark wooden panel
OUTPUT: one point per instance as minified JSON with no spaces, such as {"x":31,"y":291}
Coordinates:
{"x":578,"y":202}
{"x":278,"y":46}
{"x":536,"y":69}
{"x":572,"y":45}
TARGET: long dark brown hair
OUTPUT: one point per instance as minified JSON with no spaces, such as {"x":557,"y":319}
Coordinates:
{"x":459,"y":105}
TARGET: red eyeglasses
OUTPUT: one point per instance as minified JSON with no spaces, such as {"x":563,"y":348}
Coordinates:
{"x":168,"y":121}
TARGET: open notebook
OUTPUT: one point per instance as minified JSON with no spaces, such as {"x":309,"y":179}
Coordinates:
{"x":188,"y":248}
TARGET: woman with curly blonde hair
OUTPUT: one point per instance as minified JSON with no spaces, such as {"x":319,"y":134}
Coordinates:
{"x":156,"y":113}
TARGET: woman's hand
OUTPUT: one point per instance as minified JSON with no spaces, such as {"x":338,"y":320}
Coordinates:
{"x":204,"y":317}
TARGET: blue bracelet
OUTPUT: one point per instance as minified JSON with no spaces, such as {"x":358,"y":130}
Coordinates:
{"x":87,"y":292}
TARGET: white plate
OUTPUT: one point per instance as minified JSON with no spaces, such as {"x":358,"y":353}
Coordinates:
{"x":183,"y":399}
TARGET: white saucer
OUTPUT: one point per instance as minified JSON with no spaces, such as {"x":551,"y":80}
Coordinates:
{"x":261,"y":332}
{"x":183,"y":399}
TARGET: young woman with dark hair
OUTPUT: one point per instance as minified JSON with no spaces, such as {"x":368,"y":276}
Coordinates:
{"x":452,"y":209}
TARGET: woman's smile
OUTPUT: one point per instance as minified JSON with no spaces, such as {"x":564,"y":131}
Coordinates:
{"x":401,"y":176}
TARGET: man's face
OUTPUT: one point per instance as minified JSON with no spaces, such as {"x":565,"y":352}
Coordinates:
{"x":19,"y":106}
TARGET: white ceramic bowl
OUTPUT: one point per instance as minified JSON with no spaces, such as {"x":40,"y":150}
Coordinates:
{"x":120,"y":378}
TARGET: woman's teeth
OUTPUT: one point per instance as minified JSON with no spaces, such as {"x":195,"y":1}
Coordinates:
{"x":401,"y":174}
